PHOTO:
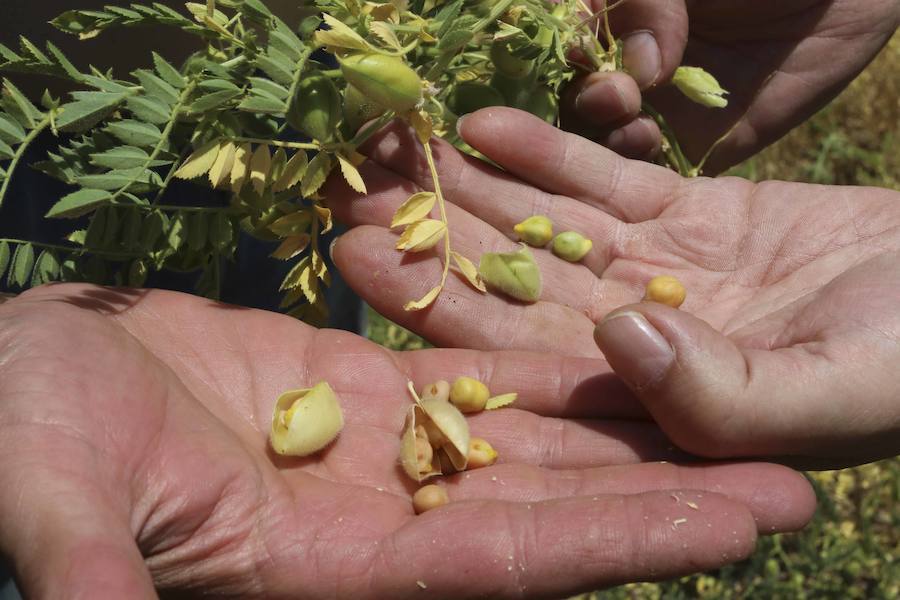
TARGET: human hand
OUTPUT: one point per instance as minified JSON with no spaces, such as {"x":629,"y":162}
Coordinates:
{"x":134,"y":454}
{"x":780,"y":60}
{"x":790,"y":336}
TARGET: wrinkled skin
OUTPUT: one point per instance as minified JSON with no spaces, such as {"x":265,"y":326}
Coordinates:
{"x":133,"y":428}
{"x":781,"y":60}
{"x":790,"y":336}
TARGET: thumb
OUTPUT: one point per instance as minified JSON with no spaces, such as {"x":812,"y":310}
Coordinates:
{"x":696,"y":382}
{"x":68,"y":540}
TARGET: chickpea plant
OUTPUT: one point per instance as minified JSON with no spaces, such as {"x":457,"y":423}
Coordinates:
{"x":267,"y":112}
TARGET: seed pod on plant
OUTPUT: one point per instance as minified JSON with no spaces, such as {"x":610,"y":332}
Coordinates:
{"x":386,"y":80}
{"x":700,"y":86}
{"x":315,"y":108}
{"x":305,"y":421}
{"x":469,"y":395}
{"x":544,"y":104}
{"x":571,"y":246}
{"x":358,"y":109}
{"x":535,"y":231}
{"x":509,"y":64}
{"x":513,"y":273}
{"x":665,"y":289}
{"x":469,"y":96}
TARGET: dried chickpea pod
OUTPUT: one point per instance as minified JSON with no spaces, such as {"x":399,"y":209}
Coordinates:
{"x":452,"y":425}
{"x":305,"y":421}
{"x":571,"y":246}
{"x":481,"y":454}
{"x":438,"y":389}
{"x":469,"y":395}
{"x":414,"y":457}
{"x":429,"y":497}
{"x":535,"y":231}
{"x":665,"y":289}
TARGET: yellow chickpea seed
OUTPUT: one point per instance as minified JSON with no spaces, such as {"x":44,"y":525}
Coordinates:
{"x":469,"y":395}
{"x":481,"y":454}
{"x":665,"y":289}
{"x":439,"y":389}
{"x":428,"y":497}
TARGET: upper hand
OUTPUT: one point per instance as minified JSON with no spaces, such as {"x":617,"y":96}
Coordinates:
{"x":789,"y":338}
{"x":134,"y":426}
{"x":780,"y":60}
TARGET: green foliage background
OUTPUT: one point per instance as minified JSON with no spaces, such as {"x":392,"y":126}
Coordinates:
{"x":851,"y":550}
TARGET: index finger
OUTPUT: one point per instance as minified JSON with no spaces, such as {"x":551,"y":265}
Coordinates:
{"x":570,"y":165}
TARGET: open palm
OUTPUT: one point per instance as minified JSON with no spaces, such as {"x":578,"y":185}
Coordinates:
{"x":798,"y":282}
{"x":134,"y":428}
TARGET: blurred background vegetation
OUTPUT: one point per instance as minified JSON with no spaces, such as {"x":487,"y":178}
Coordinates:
{"x":851,"y":550}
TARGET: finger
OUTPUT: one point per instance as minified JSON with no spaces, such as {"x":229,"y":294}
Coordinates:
{"x":600,"y":100}
{"x":570,"y":284}
{"x":639,"y":139}
{"x":561,"y":547}
{"x":474,"y":186}
{"x":460,"y":316}
{"x":654,"y":34}
{"x":717,"y":399}
{"x":547,"y":384}
{"x":779,"y":498}
{"x":569,"y":165}
{"x":66,"y":539}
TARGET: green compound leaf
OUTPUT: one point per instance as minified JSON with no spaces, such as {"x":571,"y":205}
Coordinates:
{"x":22,"y":264}
{"x":78,"y":203}
{"x":4,"y":257}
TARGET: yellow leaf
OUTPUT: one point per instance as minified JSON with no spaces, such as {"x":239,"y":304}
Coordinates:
{"x":293,"y":172}
{"x":292,"y":279}
{"x":241,"y":167}
{"x":421,"y":122}
{"x":316,"y":174}
{"x":467,"y":267}
{"x":339,"y":35}
{"x":296,"y":223}
{"x":382,"y":12}
{"x":200,"y":162}
{"x":386,"y":34}
{"x":221,"y":169}
{"x":292,"y":246}
{"x":309,"y":283}
{"x":324,"y":217}
{"x":500,"y":401}
{"x":416,"y":207}
{"x":422,"y":235}
{"x":351,"y":174}
{"x":320,"y":268}
{"x":425,"y":301}
{"x":279,"y":162}
{"x":260,"y":165}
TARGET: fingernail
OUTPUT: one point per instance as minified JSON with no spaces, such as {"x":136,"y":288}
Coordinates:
{"x":641,"y":58}
{"x":634,"y":348}
{"x":331,"y":247}
{"x":459,"y":123}
{"x":598,"y":94}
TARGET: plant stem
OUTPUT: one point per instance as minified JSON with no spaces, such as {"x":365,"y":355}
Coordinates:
{"x":277,"y":143}
{"x":440,"y":198}
{"x":20,"y":152}
{"x":164,"y":138}
{"x":71,"y":249}
{"x":210,"y":8}
{"x":675,"y":154}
